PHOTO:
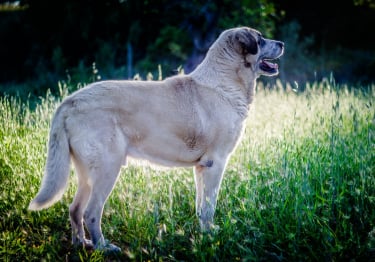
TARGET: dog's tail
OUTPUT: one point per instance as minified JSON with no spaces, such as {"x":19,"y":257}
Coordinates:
{"x":57,"y":169}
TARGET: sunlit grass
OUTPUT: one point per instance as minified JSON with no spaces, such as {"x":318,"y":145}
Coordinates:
{"x":300,"y":186}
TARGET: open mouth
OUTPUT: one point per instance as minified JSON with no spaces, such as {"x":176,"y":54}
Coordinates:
{"x":267,"y":66}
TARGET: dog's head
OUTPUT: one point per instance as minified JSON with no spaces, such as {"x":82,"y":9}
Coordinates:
{"x":255,"y":52}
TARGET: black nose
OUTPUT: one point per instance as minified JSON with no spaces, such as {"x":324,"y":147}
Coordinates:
{"x":280,"y":44}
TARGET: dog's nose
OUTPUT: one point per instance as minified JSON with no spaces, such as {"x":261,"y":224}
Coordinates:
{"x":280,"y":44}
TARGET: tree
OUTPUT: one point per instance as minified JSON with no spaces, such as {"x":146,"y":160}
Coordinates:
{"x":196,"y":24}
{"x":54,"y":36}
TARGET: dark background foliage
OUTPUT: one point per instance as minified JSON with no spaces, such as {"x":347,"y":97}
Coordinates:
{"x":46,"y":41}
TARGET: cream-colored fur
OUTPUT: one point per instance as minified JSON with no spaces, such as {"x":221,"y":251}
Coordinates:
{"x":193,"y":120}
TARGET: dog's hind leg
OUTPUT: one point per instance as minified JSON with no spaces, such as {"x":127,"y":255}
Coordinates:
{"x":105,"y":179}
{"x":78,"y":206}
{"x":103,"y":174}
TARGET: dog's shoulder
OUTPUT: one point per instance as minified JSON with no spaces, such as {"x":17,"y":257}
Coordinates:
{"x":180,"y":82}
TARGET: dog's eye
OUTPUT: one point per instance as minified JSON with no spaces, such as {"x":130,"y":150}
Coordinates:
{"x":261,"y":42}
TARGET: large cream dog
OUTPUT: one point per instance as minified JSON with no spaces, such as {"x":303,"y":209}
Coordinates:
{"x":192,"y":120}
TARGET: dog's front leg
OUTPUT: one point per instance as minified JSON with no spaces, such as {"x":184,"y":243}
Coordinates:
{"x":208,"y":176}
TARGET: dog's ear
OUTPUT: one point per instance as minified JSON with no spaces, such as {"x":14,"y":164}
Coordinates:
{"x":245,"y":42}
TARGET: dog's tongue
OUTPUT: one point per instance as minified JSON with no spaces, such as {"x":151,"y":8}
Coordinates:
{"x":271,"y":65}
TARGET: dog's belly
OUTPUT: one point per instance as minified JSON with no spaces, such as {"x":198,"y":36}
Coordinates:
{"x":167,"y":151}
{"x":160,"y":161}
{"x":165,"y":158}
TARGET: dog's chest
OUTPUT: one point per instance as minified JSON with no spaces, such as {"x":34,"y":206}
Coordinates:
{"x":220,"y":133}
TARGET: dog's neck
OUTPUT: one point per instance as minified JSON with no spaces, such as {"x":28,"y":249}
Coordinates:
{"x":220,"y":76}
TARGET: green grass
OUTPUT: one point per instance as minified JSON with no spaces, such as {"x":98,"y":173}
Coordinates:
{"x":300,"y":187}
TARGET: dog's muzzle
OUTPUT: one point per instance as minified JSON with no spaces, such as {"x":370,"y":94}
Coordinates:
{"x":265,"y":63}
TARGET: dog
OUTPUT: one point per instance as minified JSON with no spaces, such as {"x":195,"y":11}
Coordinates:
{"x":193,"y":120}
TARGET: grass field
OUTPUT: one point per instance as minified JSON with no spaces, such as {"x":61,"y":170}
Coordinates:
{"x":300,"y":187}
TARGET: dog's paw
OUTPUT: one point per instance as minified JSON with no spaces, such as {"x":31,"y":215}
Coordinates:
{"x":88,"y":244}
{"x":107,"y":247}
{"x":214,"y":228}
{"x":208,"y":227}
{"x":82,"y":243}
